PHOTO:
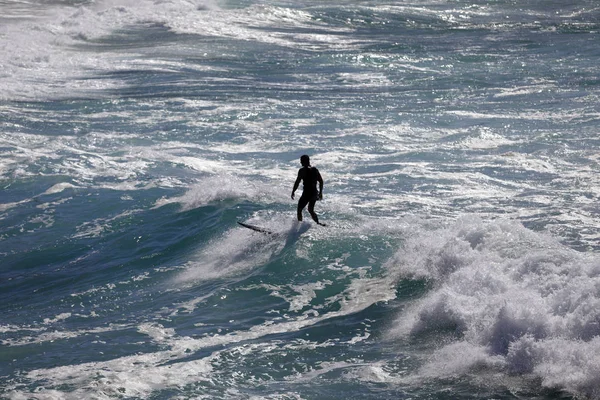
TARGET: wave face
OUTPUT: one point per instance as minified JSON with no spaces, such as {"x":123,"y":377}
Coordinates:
{"x":458,"y":144}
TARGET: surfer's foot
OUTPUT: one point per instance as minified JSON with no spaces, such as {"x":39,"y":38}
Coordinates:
{"x":320,"y":223}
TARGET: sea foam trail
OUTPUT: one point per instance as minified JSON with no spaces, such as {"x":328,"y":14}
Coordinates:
{"x":516,"y":300}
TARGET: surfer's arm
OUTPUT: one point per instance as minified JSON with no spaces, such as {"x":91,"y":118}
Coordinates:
{"x":320,"y":180}
{"x":296,"y":184}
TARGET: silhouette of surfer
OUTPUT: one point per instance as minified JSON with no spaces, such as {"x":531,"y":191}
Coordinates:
{"x":310,"y":194}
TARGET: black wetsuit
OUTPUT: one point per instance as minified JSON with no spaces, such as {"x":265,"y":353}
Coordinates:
{"x":310,"y":194}
{"x":310,"y":179}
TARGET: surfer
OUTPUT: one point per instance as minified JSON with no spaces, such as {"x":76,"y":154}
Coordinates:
{"x":310,"y":177}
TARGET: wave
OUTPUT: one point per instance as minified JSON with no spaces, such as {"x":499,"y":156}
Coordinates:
{"x":483,"y":297}
{"x":513,"y":300}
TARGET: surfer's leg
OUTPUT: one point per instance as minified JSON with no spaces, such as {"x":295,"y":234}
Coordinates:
{"x":311,"y":210}
{"x":301,"y":204}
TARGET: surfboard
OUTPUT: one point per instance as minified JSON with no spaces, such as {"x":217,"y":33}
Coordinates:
{"x":255,"y":228}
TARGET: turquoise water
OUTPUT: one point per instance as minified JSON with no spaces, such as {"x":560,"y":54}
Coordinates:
{"x":459,"y":147}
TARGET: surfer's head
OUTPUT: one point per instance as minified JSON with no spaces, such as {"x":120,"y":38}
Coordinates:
{"x":305,"y":161}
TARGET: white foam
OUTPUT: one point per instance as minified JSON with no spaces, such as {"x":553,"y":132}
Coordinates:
{"x":98,"y":226}
{"x":48,"y":66}
{"x":302,"y":294}
{"x":525,"y":115}
{"x":225,"y":186}
{"x":236,"y":251}
{"x":239,"y":250}
{"x":509,"y":295}
{"x":46,"y":334}
{"x":51,"y":67}
{"x":486,"y":139}
{"x":459,"y":359}
{"x":59,"y":187}
{"x":526,"y":90}
{"x":8,"y":206}
{"x":242,"y":24}
{"x":60,"y":317}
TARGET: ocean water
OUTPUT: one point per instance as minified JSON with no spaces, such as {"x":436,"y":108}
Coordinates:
{"x":459,"y":144}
